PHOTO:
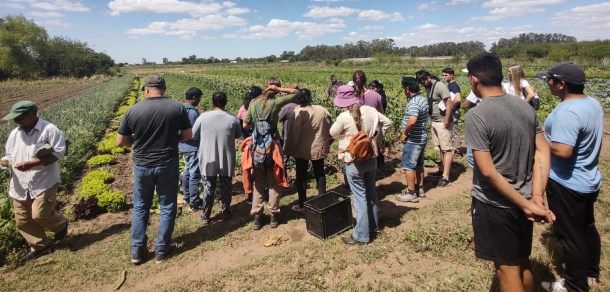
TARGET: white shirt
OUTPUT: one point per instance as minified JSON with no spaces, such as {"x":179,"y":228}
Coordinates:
{"x":21,"y":147}
{"x":510,"y":89}
{"x":473,"y":98}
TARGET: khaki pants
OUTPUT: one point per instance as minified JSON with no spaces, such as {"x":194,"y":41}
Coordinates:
{"x":260,"y":177}
{"x":456,"y":142}
{"x":34,"y":216}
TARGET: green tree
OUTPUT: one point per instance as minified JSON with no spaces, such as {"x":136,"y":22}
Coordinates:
{"x":21,"y":42}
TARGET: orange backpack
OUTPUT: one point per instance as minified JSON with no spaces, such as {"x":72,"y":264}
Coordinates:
{"x":360,"y":146}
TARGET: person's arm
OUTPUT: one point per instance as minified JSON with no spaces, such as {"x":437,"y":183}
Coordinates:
{"x":124,"y":141}
{"x":247,"y":122}
{"x":281,"y":89}
{"x":197,"y":130}
{"x":448,"y":111}
{"x":184,"y":126}
{"x":457,"y":100}
{"x":186,"y":135}
{"x":337,"y":128}
{"x":385,"y":124}
{"x":57,"y":142}
{"x":530,"y":93}
{"x":380,"y":108}
{"x":532,"y":211}
{"x":564,"y":134}
{"x":541,"y":169}
{"x":408,"y":128}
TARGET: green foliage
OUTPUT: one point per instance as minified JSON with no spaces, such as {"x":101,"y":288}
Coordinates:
{"x":92,"y":188}
{"x":111,"y":201}
{"x":99,"y":175}
{"x":101,"y":160}
{"x":122,"y":110}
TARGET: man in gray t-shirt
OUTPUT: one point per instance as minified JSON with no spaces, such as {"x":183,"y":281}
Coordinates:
{"x":512,"y":162}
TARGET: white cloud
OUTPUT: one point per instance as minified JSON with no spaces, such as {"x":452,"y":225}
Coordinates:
{"x":237,"y":10}
{"x":46,"y":14}
{"x":373,"y":27}
{"x":13,"y":5}
{"x":165,"y":6}
{"x":397,"y":17}
{"x":279,"y":28}
{"x":206,"y":37}
{"x":426,"y":6}
{"x":188,"y":28}
{"x":54,"y":5}
{"x":57,"y":22}
{"x":373,"y":15}
{"x":506,"y":12}
{"x":326,"y":11}
{"x":596,"y":16}
{"x":519,"y":3}
{"x":456,"y":2}
{"x":228,"y":4}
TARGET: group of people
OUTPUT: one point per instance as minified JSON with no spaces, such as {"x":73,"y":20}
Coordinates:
{"x":515,"y":159}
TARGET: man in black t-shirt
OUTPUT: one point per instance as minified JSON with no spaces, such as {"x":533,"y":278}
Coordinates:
{"x":154,"y":126}
{"x":456,"y":99}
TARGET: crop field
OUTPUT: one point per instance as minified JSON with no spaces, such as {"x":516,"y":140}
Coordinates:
{"x":425,"y":246}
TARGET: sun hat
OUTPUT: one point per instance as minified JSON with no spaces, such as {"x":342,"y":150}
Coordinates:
{"x":565,"y":71}
{"x":19,"y":108}
{"x":345,"y":96}
{"x":154,"y":81}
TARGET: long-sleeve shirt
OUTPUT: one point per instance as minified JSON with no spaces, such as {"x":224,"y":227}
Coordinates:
{"x":21,"y":147}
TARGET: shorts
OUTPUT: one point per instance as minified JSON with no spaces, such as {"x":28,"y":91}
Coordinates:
{"x":442,"y":136}
{"x":503,"y":236}
{"x":412,"y":156}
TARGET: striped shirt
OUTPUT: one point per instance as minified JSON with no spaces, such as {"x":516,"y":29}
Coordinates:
{"x":417,"y":107}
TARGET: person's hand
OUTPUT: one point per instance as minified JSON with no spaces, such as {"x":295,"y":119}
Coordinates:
{"x":382,"y":149}
{"x":539,"y":201}
{"x":446,"y":124}
{"x":535,"y":213}
{"x":403,"y":138}
{"x":272,"y":88}
{"x":27,"y":165}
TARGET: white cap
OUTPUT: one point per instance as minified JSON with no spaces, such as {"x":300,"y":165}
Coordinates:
{"x":465,"y":70}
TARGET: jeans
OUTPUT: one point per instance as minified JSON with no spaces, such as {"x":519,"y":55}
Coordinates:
{"x":163,"y":179}
{"x":470,"y":157}
{"x":190,"y":179}
{"x":302,"y":166}
{"x":361,"y":178}
{"x":209,"y":186}
{"x":575,"y":229}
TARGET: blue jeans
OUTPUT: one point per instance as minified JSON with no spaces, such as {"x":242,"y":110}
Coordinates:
{"x":361,"y":178}
{"x":190,"y":179}
{"x":470,"y":157}
{"x":163,"y":178}
{"x":412,"y":156}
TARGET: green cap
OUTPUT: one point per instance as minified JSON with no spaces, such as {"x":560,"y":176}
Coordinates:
{"x":154,"y":81}
{"x":19,"y":108}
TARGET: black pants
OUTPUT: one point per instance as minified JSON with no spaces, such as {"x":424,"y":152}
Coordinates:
{"x":575,"y":230}
{"x":302,"y":166}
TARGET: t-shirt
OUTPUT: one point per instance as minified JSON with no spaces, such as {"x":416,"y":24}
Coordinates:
{"x":441,"y":93}
{"x":454,"y":89}
{"x":190,"y":145}
{"x":417,"y":107}
{"x":510,"y":89}
{"x":217,"y":153}
{"x":578,"y":123}
{"x":332,"y":88}
{"x":242,"y":113}
{"x":263,"y":107}
{"x":506,"y":127}
{"x":372,"y":99}
{"x":155,"y":122}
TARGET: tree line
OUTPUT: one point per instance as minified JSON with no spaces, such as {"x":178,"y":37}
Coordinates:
{"x":27,"y":51}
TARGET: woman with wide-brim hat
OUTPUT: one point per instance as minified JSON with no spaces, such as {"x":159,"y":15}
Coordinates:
{"x":360,"y":176}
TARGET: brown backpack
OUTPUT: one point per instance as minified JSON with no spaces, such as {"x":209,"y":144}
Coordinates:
{"x":360,"y":146}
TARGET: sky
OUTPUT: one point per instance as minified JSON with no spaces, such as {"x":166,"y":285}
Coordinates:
{"x":129,"y":30}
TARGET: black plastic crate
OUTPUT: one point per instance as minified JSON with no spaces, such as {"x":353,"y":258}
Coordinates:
{"x":328,"y":215}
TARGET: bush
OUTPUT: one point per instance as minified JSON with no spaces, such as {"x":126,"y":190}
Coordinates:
{"x":101,"y":160}
{"x":98,"y":175}
{"x":122,"y":110}
{"x":118,"y":150}
{"x":86,"y":208}
{"x":92,"y":188}
{"x":111,"y":201}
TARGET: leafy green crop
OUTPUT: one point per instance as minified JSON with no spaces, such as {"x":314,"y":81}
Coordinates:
{"x":111,"y":201}
{"x":101,"y":160}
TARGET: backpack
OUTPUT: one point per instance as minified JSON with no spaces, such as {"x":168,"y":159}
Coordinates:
{"x":262,"y":140}
{"x":535,"y":102}
{"x":360,"y":146}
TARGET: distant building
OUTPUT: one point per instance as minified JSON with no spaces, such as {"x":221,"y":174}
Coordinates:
{"x":284,"y":61}
{"x":233,"y":62}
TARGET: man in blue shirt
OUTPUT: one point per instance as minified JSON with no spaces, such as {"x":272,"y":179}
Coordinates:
{"x":574,"y":132}
{"x":191,"y":175}
{"x":414,"y":139}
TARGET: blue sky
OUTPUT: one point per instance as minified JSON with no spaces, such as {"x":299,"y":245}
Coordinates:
{"x":128,"y":30}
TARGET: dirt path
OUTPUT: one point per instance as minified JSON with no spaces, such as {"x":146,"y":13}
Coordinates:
{"x":48,"y":98}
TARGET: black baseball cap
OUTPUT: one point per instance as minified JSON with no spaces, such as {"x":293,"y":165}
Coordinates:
{"x":154,"y":81}
{"x":565,"y":71}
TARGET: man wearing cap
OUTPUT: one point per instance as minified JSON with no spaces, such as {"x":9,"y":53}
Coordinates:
{"x":32,"y":151}
{"x":331,"y":91}
{"x":154,"y":126}
{"x":574,"y":131}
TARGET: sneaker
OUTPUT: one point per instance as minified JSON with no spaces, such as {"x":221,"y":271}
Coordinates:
{"x":61,"y":235}
{"x":406,"y":197}
{"x":33,"y":254}
{"x":275,"y":222}
{"x":558,"y":286}
{"x":160,"y":258}
{"x":443,"y":182}
{"x":249,"y":199}
{"x":136,"y":259}
{"x":437,"y":173}
{"x":257,"y":224}
{"x":421,"y":193}
{"x":195,"y":208}
{"x":296,"y":208}
{"x":351,"y":241}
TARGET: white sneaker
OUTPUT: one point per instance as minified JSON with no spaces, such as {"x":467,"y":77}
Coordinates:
{"x":421,"y":193}
{"x":296,"y":208}
{"x":405,"y":197}
{"x":558,"y":286}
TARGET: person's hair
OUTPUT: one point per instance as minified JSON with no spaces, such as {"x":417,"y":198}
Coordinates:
{"x":219,"y":99}
{"x":571,"y":87}
{"x":359,"y":79}
{"x":303,"y":97}
{"x":487,"y":68}
{"x":411,"y":84}
{"x":449,"y":71}
{"x":435,"y":78}
{"x":354,"y":111}
{"x":379,"y":86}
{"x":422,"y":75}
{"x":272,"y":81}
{"x":517,"y":74}
{"x":333,"y":76}
{"x":193,"y":92}
{"x":252,"y":93}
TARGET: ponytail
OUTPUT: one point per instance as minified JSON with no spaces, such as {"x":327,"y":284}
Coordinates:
{"x":359,"y":79}
{"x":354,"y":111}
